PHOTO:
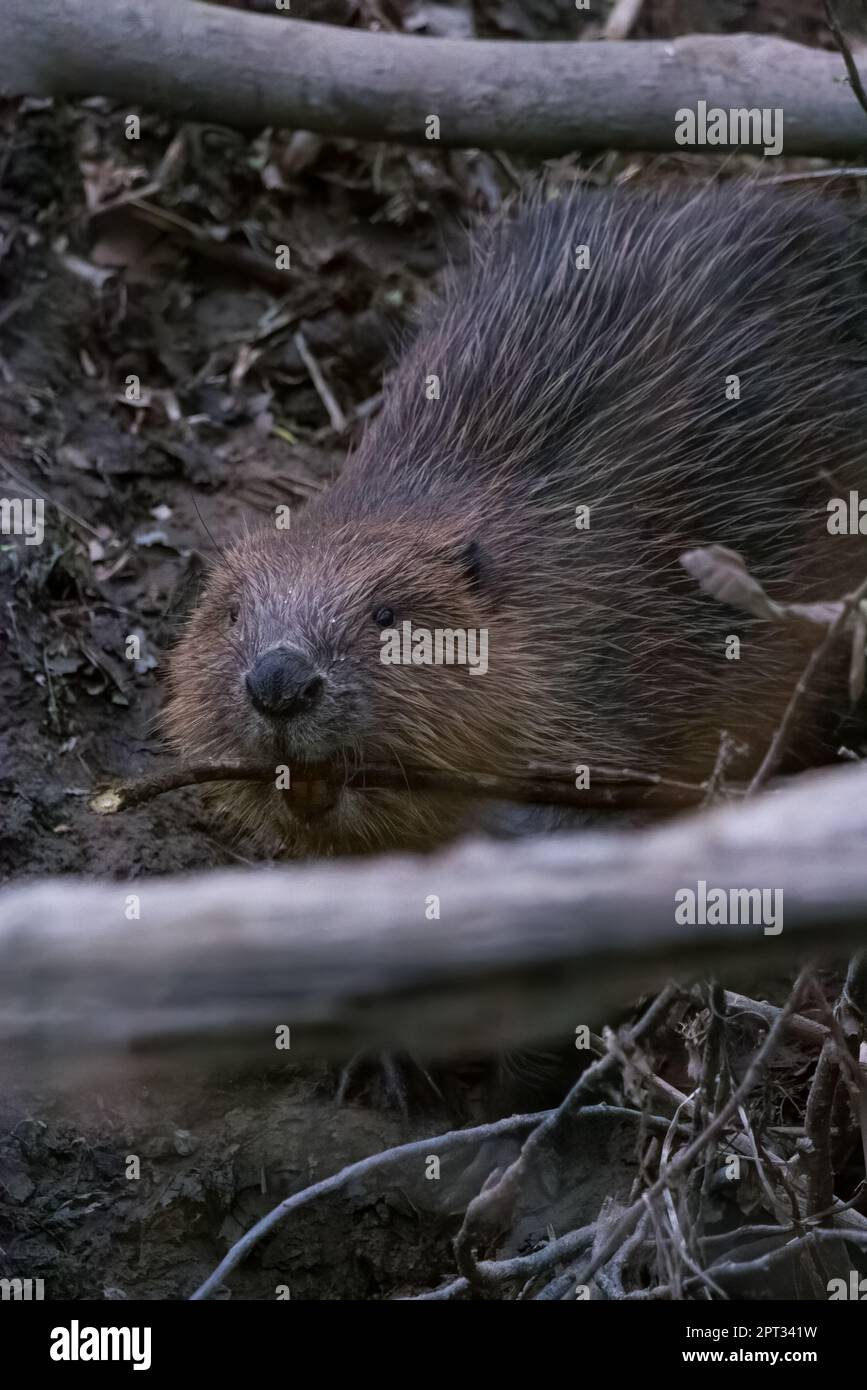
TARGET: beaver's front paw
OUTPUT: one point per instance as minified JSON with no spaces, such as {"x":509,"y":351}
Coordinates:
{"x":388,"y":1081}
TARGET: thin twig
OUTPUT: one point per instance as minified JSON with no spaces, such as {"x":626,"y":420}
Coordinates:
{"x":842,"y":1055}
{"x":323,"y":390}
{"x":779,"y":742}
{"x":761,"y":1264}
{"x":202,"y":241}
{"x":805,"y":175}
{"x":798,"y":1026}
{"x":846,"y":52}
{"x":610,"y":786}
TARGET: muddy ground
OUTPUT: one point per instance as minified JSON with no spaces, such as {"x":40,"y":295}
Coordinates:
{"x":154,"y":258}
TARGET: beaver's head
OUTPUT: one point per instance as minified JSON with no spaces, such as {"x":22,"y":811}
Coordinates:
{"x":352,"y":644}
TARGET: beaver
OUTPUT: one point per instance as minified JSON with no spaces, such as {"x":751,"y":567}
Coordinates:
{"x":609,"y":380}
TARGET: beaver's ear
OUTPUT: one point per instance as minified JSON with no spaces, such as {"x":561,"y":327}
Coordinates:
{"x":474,"y":563}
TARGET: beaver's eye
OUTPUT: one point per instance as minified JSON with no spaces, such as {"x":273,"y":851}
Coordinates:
{"x":234,"y":610}
{"x":384,"y":617}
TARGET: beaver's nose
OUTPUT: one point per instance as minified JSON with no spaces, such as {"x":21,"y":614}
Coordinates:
{"x":283,"y":684}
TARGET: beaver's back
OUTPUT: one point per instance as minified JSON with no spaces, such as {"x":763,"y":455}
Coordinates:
{"x":615,"y":375}
{"x":702,"y":380}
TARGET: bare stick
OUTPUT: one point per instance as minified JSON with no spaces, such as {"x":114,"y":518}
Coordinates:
{"x":798,"y":1026}
{"x":124,"y":796}
{"x":842,"y":44}
{"x":838,"y":1065}
{"x":239,"y":258}
{"x":250,"y":70}
{"x":610,"y":786}
{"x":817,"y":1123}
{"x":807,"y":175}
{"x":569,"y":926}
{"x":323,"y":390}
{"x":726,"y":1269}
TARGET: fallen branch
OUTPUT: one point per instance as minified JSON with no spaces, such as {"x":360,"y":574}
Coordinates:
{"x":610,"y":786}
{"x":530,"y":937}
{"x":250,"y":70}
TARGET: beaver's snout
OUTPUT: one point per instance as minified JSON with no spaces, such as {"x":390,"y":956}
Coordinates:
{"x":282,"y":684}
